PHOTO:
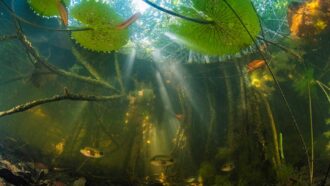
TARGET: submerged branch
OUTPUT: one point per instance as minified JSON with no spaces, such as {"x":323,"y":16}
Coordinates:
{"x":92,"y":71}
{"x":200,"y":21}
{"x":8,"y":37}
{"x":282,"y":48}
{"x":41,"y":61}
{"x":119,"y":77}
{"x":65,"y":96}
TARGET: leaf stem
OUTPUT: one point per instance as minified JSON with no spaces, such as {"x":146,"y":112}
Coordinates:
{"x":200,"y":21}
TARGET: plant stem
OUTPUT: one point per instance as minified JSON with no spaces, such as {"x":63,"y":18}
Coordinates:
{"x":311,"y":170}
{"x":119,"y":77}
{"x":200,"y":21}
{"x":323,"y":87}
{"x":276,"y":82}
{"x":86,"y":64}
{"x":281,"y":146}
{"x":274,"y":131}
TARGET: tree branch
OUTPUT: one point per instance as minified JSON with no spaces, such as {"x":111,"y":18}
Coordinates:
{"x":8,"y":37}
{"x":41,"y":61}
{"x":65,"y":96}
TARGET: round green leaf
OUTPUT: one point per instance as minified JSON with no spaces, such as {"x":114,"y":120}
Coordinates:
{"x":226,"y":36}
{"x":46,"y":7}
{"x":104,"y":36}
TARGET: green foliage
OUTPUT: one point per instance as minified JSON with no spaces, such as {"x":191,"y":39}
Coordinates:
{"x":102,"y":19}
{"x":301,"y":84}
{"x":226,"y":36}
{"x":46,"y":7}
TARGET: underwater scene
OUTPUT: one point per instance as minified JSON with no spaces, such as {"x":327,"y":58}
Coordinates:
{"x":165,"y":92}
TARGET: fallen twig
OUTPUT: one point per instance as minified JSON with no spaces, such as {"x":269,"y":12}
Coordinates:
{"x":65,"y":96}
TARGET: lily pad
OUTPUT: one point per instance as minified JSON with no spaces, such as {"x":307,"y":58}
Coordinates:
{"x":225,"y":36}
{"x":104,"y":36}
{"x":46,"y":7}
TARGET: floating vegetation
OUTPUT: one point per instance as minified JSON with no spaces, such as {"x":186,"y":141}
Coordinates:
{"x":102,"y":18}
{"x":226,"y":35}
{"x":46,"y":8}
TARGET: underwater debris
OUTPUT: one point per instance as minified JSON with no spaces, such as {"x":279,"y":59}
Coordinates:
{"x":62,"y":11}
{"x":47,"y":8}
{"x":255,"y":64}
{"x":162,"y":161}
{"x":91,"y":152}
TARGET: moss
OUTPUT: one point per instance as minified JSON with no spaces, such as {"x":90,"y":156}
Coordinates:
{"x":102,"y":19}
{"x":46,"y":8}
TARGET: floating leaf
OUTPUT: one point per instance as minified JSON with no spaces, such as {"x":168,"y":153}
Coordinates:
{"x":226,"y":36}
{"x":104,"y":37}
{"x":46,"y":7}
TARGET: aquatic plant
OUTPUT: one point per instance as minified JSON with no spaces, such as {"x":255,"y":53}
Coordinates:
{"x":226,"y":35}
{"x":302,"y":84}
{"x":104,"y":36}
{"x":46,"y":8}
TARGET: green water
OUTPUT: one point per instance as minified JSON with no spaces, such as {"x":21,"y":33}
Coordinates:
{"x":213,"y":122}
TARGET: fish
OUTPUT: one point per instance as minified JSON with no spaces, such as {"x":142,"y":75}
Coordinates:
{"x":129,"y":21}
{"x":227,"y":167}
{"x":63,"y":12}
{"x":91,"y":152}
{"x":162,"y":161}
{"x":255,"y":64}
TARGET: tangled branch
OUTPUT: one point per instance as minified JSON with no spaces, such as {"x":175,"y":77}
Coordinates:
{"x":55,"y":98}
{"x":41,"y":61}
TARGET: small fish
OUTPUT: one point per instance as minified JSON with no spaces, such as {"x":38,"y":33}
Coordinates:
{"x":91,"y":152}
{"x":162,"y":161}
{"x":255,"y":64}
{"x":63,"y":12}
{"x":129,"y":21}
{"x":227,"y":167}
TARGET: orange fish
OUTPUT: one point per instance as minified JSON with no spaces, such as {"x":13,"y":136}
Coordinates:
{"x":129,"y":21}
{"x":255,"y":64}
{"x":63,"y":12}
